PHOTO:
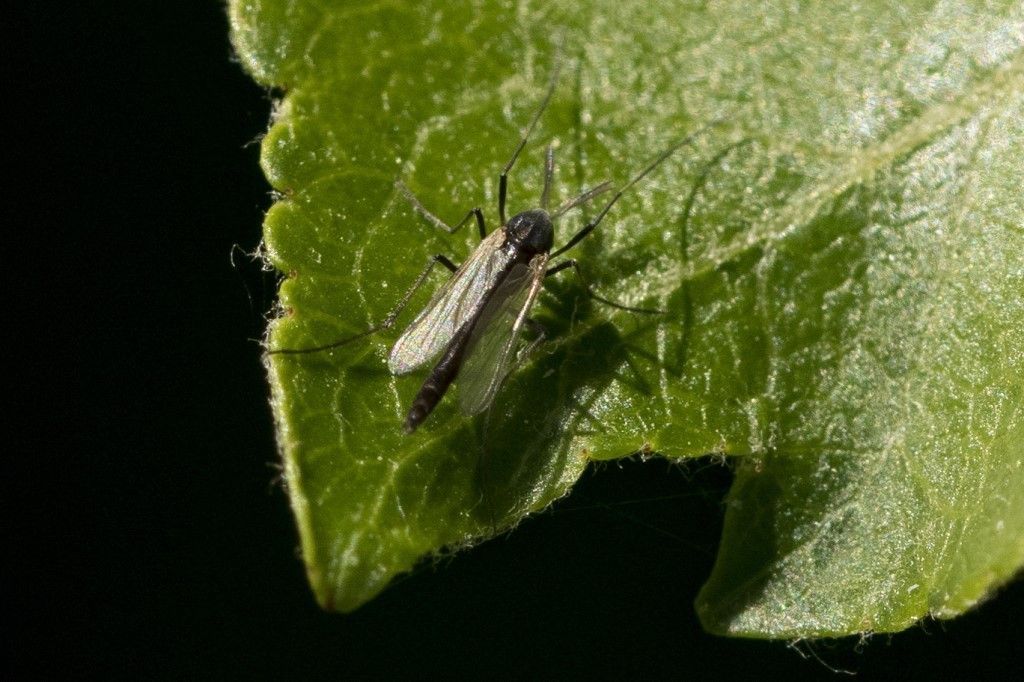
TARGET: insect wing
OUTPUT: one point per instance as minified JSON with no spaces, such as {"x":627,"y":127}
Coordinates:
{"x":495,"y":339}
{"x":457,"y":301}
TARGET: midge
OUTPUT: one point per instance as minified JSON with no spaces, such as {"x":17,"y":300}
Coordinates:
{"x":474,"y":321}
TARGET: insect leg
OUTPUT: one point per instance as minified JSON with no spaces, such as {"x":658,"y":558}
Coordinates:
{"x":388,"y":322}
{"x":503,"y":179}
{"x":437,"y":222}
{"x":443,"y":260}
{"x":571,"y":263}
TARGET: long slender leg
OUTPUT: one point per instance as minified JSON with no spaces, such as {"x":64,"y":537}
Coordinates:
{"x":388,"y":322}
{"x":437,"y":222}
{"x":589,"y":227}
{"x":503,"y":179}
{"x":571,"y":263}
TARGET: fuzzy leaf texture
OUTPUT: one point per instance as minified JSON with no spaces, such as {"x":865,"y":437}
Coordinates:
{"x":841,"y":262}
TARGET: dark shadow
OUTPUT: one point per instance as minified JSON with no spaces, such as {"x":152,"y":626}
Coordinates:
{"x":524,"y":437}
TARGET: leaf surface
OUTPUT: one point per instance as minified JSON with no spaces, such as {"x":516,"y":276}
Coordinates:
{"x":842,"y":262}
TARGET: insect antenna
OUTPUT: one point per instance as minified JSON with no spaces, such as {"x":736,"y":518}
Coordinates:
{"x":503,"y":180}
{"x":589,"y":227}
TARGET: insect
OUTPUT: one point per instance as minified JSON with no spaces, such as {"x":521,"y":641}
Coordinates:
{"x":474,"y":322}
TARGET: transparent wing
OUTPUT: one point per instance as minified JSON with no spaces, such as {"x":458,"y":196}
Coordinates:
{"x":458,"y":300}
{"x":492,"y":347}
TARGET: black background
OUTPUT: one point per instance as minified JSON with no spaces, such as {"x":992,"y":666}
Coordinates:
{"x":150,"y":537}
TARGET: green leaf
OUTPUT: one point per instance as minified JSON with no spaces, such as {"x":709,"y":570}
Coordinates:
{"x":842,"y":262}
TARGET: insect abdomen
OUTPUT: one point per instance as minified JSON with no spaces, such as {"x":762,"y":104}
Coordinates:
{"x":441,"y":377}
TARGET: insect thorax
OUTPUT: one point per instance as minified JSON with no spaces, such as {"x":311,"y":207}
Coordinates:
{"x":531,"y":231}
